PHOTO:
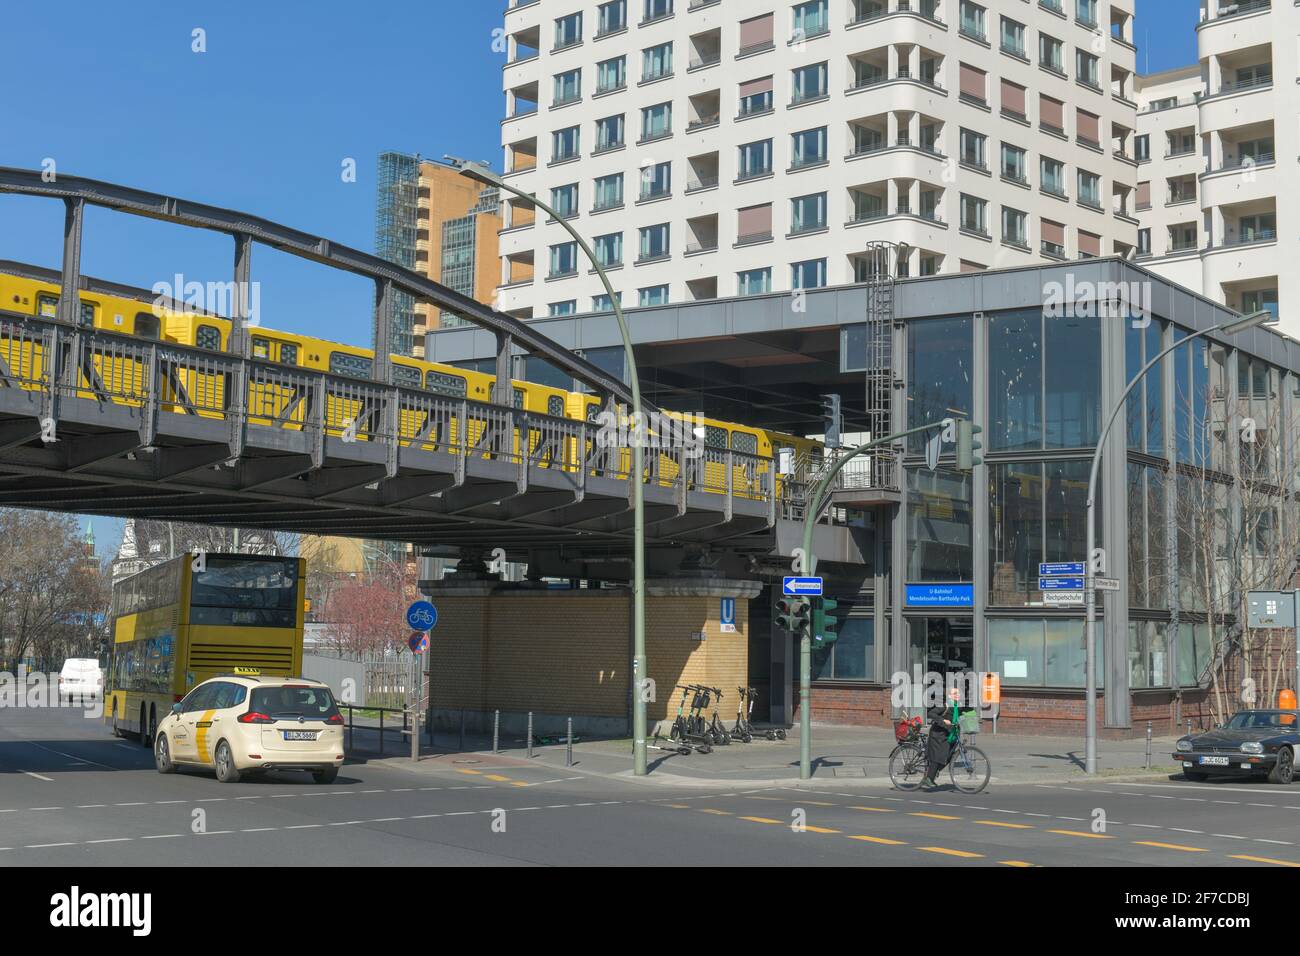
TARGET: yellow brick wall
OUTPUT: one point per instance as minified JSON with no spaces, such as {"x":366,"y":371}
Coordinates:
{"x":568,"y":653}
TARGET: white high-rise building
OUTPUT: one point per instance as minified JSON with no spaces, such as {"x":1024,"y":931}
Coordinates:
{"x":1216,"y":141}
{"x":727,"y":147}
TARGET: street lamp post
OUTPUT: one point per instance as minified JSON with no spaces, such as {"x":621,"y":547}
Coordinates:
{"x":482,"y":174}
{"x":1262,"y":317}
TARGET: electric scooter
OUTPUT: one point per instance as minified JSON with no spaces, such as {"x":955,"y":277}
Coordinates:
{"x":683,"y":731}
{"x":745,"y":728}
{"x":716,"y":727}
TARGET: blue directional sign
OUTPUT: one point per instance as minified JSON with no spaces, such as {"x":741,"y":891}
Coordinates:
{"x":727,"y":616}
{"x":939,"y":595}
{"x":1060,"y":584}
{"x":421,"y":616}
{"x":1060,"y":569}
{"x":802,"y":587}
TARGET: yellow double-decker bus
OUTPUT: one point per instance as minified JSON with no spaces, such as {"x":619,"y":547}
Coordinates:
{"x":185,"y":620}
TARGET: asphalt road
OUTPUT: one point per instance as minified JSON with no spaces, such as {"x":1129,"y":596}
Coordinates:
{"x":72,"y":795}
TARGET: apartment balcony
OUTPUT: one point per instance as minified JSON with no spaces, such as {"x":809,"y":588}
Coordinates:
{"x":872,"y":11}
{"x":1240,"y":181}
{"x":1233,"y":26}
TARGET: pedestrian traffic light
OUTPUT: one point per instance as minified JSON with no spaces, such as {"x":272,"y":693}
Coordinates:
{"x":833,"y":420}
{"x":967,"y":446}
{"x":824,"y":621}
{"x":793,"y":615}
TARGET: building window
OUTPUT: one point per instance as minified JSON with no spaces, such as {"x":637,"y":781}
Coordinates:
{"x":657,"y":10}
{"x":657,"y":62}
{"x":754,"y":282}
{"x":564,"y":259}
{"x":939,"y":372}
{"x":611,"y":17}
{"x":1013,"y":163}
{"x":756,"y":159}
{"x":808,"y":213}
{"x":609,"y":192}
{"x":972,"y":20}
{"x":603,"y":303}
{"x":1142,"y":148}
{"x":568,"y":87}
{"x":1051,"y":54}
{"x":656,"y":181}
{"x":1052,"y":176}
{"x":1013,"y":227}
{"x":564,"y":200}
{"x":1039,"y":653}
{"x":611,"y":74}
{"x":974,"y":214}
{"x":1144,"y":242}
{"x":938,"y":525}
{"x":1013,"y":37}
{"x":609,"y":133}
{"x":1256,"y":299}
{"x":654,"y":242}
{"x":1086,"y":12}
{"x":1089,"y":189}
{"x":654,"y":295}
{"x":609,"y":249}
{"x":973,"y":148}
{"x":1085,"y":69}
{"x":756,"y":97}
{"x":811,"y":19}
{"x":808,"y":275}
{"x":565,"y":144}
{"x":656,"y":121}
{"x":808,"y":83}
{"x":568,"y":307}
{"x":568,"y":31}
{"x":808,"y":148}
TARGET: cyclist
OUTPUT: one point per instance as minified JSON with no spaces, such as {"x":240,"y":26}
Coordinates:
{"x":944,"y":731}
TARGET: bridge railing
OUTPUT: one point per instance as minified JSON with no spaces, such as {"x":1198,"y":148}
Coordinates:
{"x":65,"y":362}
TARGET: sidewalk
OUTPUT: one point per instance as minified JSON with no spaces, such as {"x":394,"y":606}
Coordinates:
{"x":850,"y":756}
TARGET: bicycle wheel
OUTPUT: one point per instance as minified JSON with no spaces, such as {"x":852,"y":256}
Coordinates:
{"x":907,"y":766}
{"x":970,"y":770}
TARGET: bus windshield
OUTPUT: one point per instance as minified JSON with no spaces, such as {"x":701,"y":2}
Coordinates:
{"x":242,"y":592}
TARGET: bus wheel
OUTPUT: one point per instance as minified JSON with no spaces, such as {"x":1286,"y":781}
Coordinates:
{"x":144,"y":729}
{"x":117,"y":729}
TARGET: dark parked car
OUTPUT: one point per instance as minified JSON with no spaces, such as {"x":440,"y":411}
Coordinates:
{"x":1252,"y":742}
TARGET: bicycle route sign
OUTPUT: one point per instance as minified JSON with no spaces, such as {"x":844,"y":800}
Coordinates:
{"x":421,"y":616}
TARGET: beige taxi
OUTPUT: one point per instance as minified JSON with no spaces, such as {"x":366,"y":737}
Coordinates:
{"x":244,"y":723}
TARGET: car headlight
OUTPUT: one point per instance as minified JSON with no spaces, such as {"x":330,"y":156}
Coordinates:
{"x":1184,"y":745}
{"x":1252,"y":747}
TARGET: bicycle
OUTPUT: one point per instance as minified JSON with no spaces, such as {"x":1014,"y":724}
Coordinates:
{"x":968,"y":766}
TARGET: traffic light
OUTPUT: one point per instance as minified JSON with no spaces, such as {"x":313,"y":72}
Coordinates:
{"x":834,"y":420}
{"x":967,"y":446}
{"x":793,"y":615}
{"x":824,"y":622}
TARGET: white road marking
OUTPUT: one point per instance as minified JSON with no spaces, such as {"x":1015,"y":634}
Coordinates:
{"x":38,"y":776}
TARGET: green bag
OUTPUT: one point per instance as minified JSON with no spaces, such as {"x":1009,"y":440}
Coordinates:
{"x":969,"y":722}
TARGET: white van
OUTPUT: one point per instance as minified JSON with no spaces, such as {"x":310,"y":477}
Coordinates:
{"x":80,"y":678}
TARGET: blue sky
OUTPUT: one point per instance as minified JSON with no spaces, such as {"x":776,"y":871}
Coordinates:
{"x":263,"y":121}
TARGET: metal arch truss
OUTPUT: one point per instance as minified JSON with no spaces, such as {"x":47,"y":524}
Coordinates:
{"x":77,"y":192}
{"x":98,"y":422}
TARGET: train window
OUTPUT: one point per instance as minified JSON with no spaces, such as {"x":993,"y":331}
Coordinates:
{"x":593,"y":411}
{"x":261,"y":349}
{"x":441,"y":383}
{"x":406,"y":376}
{"x":146,"y":325}
{"x":87,"y":315}
{"x":47,"y":306}
{"x":288,"y":353}
{"x":715,"y":437}
{"x":555,"y":406}
{"x":519,"y":398}
{"x":744,"y":443}
{"x":357,"y":366}
{"x":208,"y":337}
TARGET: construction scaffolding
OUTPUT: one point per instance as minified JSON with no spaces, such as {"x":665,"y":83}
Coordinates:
{"x":396,"y":213}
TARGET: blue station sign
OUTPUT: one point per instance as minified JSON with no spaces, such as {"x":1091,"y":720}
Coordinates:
{"x":939,"y":595}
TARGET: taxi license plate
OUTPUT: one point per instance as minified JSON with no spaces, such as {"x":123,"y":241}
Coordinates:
{"x":1215,"y":761}
{"x":300,"y":735}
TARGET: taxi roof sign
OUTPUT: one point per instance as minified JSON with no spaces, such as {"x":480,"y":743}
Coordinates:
{"x":247,"y":671}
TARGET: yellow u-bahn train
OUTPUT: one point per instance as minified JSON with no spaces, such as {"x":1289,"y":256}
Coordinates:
{"x":29,"y":291}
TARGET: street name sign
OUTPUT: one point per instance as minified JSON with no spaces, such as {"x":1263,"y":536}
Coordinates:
{"x":1106,"y":584}
{"x":1062,"y":597}
{"x":802,"y":587}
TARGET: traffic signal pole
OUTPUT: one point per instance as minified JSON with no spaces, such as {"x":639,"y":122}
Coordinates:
{"x":810,"y":568}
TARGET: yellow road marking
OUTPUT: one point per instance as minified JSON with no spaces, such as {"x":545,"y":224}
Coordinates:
{"x":517,"y":783}
{"x":677,"y":806}
{"x":875,"y":839}
{"x":1171,"y":846}
{"x":934,"y":816}
{"x":720,"y":813}
{"x":778,"y":799}
{"x":873,"y":809}
{"x":1000,"y":823}
{"x":1015,"y":863}
{"x":1265,"y":859}
{"x":817,"y":803}
{"x":812,"y":829}
{"x":496,"y":776}
{"x":964,"y":854}
{"x":477,"y":773}
{"x":1082,"y":833}
{"x":762,"y":820}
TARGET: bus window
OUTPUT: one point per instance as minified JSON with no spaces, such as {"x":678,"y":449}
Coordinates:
{"x":555,"y":406}
{"x":208,"y":337}
{"x":261,"y":349}
{"x":440,"y":383}
{"x":406,"y":376}
{"x":357,"y":366}
{"x":146,"y":325}
{"x":232,"y":592}
{"x":288,"y":353}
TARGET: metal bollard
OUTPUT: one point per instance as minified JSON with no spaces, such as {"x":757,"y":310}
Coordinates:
{"x":381,"y":731}
{"x":1148,"y":745}
{"x":568,"y":749}
{"x":496,"y":732}
{"x":1189,"y":726}
{"x":530,"y":734}
{"x":461,"y":746}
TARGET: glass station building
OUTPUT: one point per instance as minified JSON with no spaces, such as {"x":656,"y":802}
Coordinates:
{"x":938,"y":570}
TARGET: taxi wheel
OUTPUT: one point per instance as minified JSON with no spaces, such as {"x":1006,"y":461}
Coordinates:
{"x":162,"y":754}
{"x":225,"y":763}
{"x":1283,"y":771}
{"x":327,"y":775}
